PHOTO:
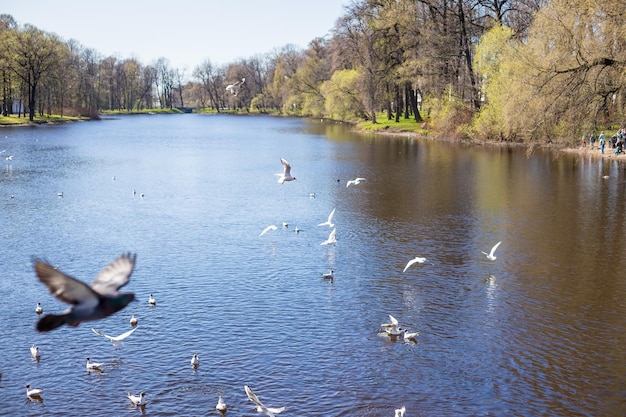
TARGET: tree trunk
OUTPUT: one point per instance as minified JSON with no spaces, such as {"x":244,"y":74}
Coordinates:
{"x":413,"y":99}
{"x":398,"y":104}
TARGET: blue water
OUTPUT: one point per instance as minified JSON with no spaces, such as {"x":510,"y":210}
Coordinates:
{"x":539,"y":331}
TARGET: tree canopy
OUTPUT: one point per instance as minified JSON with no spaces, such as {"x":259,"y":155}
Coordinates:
{"x":523,"y":70}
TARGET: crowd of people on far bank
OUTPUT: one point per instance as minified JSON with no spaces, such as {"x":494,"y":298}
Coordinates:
{"x":616,"y":141}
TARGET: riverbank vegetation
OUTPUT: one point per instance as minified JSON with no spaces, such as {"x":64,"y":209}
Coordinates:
{"x":529,"y":71}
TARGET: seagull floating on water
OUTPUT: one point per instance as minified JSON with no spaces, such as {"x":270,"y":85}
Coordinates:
{"x":331,"y":238}
{"x":414,"y":260}
{"x":286,"y":175}
{"x":267,"y":229}
{"x":490,"y":255}
{"x":38,"y":309}
{"x":93,"y":366}
{"x":410,"y":337}
{"x":329,"y":275}
{"x":151,"y":300}
{"x":35,"y":353}
{"x":137,"y":400}
{"x":329,"y":222}
{"x":221,"y":405}
{"x":355,"y":181}
{"x":115,"y":340}
{"x":400,"y":411}
{"x":88,"y":303}
{"x":260,"y":408}
{"x":195,"y":361}
{"x":133,"y":320}
{"x":34,"y":393}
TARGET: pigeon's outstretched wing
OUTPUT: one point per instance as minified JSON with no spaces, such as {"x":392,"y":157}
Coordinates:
{"x":115,"y":275}
{"x":63,"y":287}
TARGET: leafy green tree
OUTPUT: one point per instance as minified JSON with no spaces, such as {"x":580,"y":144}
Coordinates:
{"x":33,"y":56}
{"x":567,"y":77}
{"x":342,"y":95}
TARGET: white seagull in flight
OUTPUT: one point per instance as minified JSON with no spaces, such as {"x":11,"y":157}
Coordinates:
{"x":329,"y":222}
{"x":331,"y":238}
{"x":260,"y":408}
{"x":234,"y":88}
{"x":414,"y":260}
{"x":116,"y":340}
{"x":267,"y":229}
{"x":490,"y":255}
{"x":286,"y":175}
{"x":355,"y":181}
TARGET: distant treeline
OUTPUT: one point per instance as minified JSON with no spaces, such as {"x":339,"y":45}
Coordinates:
{"x":516,"y":70}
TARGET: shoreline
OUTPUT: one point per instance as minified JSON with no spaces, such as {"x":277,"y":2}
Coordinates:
{"x":557,"y":149}
{"x":587,"y":151}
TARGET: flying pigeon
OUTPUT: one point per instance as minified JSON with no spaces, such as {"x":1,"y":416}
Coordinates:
{"x":88,"y":303}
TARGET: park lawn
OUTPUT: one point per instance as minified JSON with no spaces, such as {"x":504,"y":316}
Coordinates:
{"x":383,"y":124}
{"x":13,"y":120}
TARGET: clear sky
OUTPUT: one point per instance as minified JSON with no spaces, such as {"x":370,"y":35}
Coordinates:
{"x":186,"y":32}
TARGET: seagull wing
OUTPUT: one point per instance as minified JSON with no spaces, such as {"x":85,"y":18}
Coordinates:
{"x":331,"y":238}
{"x":411,"y":262}
{"x":99,"y":333}
{"x":123,"y":335}
{"x":393,"y":324}
{"x":267,"y":229}
{"x":115,"y":275}
{"x":493,"y":250}
{"x":329,"y":222}
{"x":286,"y":167}
{"x":65,"y":288}
{"x":252,"y":396}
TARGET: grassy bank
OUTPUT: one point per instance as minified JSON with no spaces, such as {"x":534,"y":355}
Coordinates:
{"x":13,"y":120}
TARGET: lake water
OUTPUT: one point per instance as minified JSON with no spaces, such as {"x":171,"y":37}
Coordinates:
{"x":540,"y":331}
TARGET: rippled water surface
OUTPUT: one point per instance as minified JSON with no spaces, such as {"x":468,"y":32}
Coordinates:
{"x":539,"y":331}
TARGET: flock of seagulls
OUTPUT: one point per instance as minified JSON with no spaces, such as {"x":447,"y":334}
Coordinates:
{"x":102,"y":298}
